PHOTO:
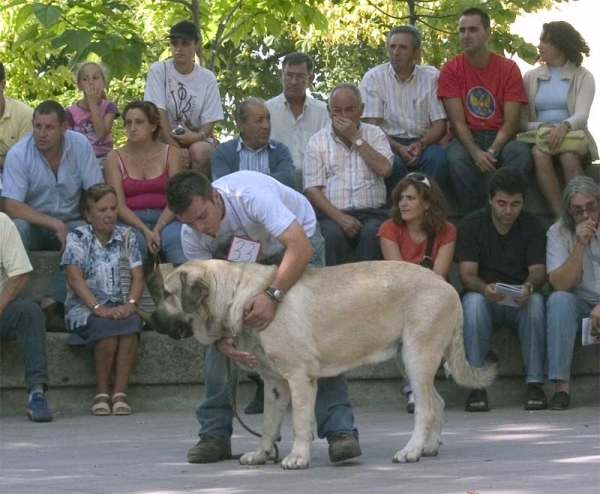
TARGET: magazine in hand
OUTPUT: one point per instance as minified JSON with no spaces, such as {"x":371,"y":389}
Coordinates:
{"x":586,"y":333}
{"x":510,"y":292}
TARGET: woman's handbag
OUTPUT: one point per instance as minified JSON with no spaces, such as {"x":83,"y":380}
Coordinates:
{"x":146,"y":303}
{"x":574,"y":141}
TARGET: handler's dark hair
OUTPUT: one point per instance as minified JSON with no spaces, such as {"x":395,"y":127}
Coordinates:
{"x":508,"y":180}
{"x":184,"y":186}
{"x":567,"y":39}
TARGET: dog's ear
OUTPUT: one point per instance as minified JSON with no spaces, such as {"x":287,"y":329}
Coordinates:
{"x":193,"y":290}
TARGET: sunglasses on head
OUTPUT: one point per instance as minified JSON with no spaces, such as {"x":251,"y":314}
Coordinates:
{"x":419,"y":177}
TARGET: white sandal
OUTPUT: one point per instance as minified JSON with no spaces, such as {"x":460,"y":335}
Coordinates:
{"x":101,"y":404}
{"x":120,"y":405}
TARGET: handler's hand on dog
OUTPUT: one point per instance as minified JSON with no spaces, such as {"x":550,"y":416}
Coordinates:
{"x":227,"y":348}
{"x":260,"y":311}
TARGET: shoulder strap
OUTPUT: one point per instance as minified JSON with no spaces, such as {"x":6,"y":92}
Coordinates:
{"x":427,"y":261}
{"x":121,"y":164}
{"x":166,"y":168}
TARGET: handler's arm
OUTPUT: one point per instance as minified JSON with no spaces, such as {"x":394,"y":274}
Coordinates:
{"x":298,"y":251}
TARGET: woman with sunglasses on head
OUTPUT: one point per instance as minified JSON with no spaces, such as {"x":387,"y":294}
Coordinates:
{"x":418,"y":233}
{"x":560,"y":93}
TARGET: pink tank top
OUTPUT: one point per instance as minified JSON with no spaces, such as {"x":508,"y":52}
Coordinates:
{"x":145,"y":193}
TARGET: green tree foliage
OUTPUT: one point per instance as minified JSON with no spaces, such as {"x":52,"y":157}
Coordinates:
{"x":242,"y":42}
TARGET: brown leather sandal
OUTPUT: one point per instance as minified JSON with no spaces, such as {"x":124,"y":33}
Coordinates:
{"x":101,"y":404}
{"x":120,"y":405}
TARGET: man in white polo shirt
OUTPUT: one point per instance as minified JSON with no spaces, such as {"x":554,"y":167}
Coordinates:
{"x":296,"y":116}
{"x":400,"y":96}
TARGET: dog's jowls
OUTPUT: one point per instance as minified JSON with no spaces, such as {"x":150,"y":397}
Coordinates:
{"x":333,"y":319}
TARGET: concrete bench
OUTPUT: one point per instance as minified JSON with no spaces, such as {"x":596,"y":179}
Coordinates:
{"x":169,"y":373}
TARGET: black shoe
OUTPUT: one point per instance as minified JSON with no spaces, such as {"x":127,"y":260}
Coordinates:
{"x":343,"y":446}
{"x":55,"y":317}
{"x":410,"y":406}
{"x":256,"y":406}
{"x":209,"y":449}
{"x":536,"y":398}
{"x":560,"y":401}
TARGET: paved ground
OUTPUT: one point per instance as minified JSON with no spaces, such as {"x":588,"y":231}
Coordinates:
{"x":505,"y":451}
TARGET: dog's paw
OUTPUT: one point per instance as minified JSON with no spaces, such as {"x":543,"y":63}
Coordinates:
{"x":294,"y":462}
{"x":258,"y":457}
{"x":407,"y":456}
{"x":432,"y":449}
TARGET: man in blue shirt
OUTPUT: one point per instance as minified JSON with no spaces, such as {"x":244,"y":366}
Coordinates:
{"x":44,"y":176}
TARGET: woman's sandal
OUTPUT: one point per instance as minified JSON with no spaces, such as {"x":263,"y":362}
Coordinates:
{"x":536,"y":399}
{"x":120,"y":405}
{"x":101,"y":404}
{"x":477,"y":401}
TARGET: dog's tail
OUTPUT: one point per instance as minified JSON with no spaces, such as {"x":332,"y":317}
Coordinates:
{"x":463,"y":372}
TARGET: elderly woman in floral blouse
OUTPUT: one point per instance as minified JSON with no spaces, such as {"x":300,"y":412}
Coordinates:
{"x":96,"y":310}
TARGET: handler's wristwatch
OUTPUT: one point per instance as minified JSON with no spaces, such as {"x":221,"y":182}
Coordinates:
{"x":359,"y":142}
{"x":275,"y":293}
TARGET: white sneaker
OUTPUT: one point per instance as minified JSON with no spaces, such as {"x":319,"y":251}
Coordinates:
{"x":410,"y":406}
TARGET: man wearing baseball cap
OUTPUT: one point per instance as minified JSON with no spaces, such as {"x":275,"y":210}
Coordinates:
{"x":187,"y":97}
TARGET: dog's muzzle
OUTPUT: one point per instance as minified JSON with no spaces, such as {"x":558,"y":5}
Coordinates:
{"x":176,"y":326}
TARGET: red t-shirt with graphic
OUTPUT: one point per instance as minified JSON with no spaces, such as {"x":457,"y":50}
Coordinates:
{"x":483,"y":91}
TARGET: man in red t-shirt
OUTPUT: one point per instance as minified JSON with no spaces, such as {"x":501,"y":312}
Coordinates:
{"x":483,"y":94}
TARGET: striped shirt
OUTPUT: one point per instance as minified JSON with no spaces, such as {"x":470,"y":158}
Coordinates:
{"x":408,"y":108}
{"x":349,"y":182}
{"x":255,"y":160}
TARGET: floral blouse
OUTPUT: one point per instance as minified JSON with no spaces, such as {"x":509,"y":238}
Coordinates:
{"x":100,"y":266}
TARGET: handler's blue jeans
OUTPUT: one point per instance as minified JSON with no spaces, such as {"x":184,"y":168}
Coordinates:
{"x":36,"y":238}
{"x":332,"y":408}
{"x":565,"y":312}
{"x":482,"y":316}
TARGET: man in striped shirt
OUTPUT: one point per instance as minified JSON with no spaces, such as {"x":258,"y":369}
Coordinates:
{"x":400,"y":97}
{"x":344,"y":167}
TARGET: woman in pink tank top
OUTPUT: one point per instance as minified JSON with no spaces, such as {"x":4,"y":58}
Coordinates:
{"x":139,"y":172}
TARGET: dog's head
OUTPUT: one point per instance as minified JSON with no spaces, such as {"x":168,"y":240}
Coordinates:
{"x":185,"y":310}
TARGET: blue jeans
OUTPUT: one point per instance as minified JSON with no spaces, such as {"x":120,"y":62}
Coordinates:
{"x":565,"y":312}
{"x":467,"y":178}
{"x":482,"y":316}
{"x":36,"y":238}
{"x":24,"y":321}
{"x":170,"y":236}
{"x":332,"y":408}
{"x":433,"y":163}
{"x":366,"y":243}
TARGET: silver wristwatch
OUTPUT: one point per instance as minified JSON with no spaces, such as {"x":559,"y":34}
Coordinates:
{"x":275,"y":293}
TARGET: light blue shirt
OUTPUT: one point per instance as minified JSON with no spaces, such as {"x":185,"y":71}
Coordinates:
{"x":551,"y":98}
{"x":28,"y":177}
{"x":254,"y":160}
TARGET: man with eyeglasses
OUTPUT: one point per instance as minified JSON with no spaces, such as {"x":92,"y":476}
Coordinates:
{"x":296,"y":116}
{"x":344,"y":167}
{"x":401,"y":97}
{"x":573,"y":260}
{"x":504,"y":244}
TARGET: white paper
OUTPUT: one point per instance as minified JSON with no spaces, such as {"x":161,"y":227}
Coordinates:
{"x":243,"y":250}
{"x":510,"y":292}
{"x":586,"y":336}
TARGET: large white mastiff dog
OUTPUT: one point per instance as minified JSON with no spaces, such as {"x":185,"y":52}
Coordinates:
{"x":333,"y":319}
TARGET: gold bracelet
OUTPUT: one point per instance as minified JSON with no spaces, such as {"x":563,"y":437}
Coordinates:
{"x":95,"y":307}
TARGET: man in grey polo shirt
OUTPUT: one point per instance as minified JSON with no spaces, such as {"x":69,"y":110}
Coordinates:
{"x":400,"y":96}
{"x":296,"y":116}
{"x":44,"y":176}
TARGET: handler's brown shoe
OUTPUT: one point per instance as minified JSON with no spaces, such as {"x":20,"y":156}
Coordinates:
{"x":209,"y":449}
{"x":343,"y":446}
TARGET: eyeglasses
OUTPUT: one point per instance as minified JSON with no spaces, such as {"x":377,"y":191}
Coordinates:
{"x":590,"y":207}
{"x":290,"y":76}
{"x":419,"y":177}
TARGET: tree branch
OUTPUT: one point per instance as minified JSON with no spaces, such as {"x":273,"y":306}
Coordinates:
{"x":188,"y":5}
{"x":449,"y":33}
{"x":219,"y":37}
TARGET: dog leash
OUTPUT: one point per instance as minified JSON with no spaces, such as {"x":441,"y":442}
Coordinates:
{"x":231,"y":392}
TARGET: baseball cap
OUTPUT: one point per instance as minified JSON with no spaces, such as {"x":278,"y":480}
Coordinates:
{"x":185,"y":30}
